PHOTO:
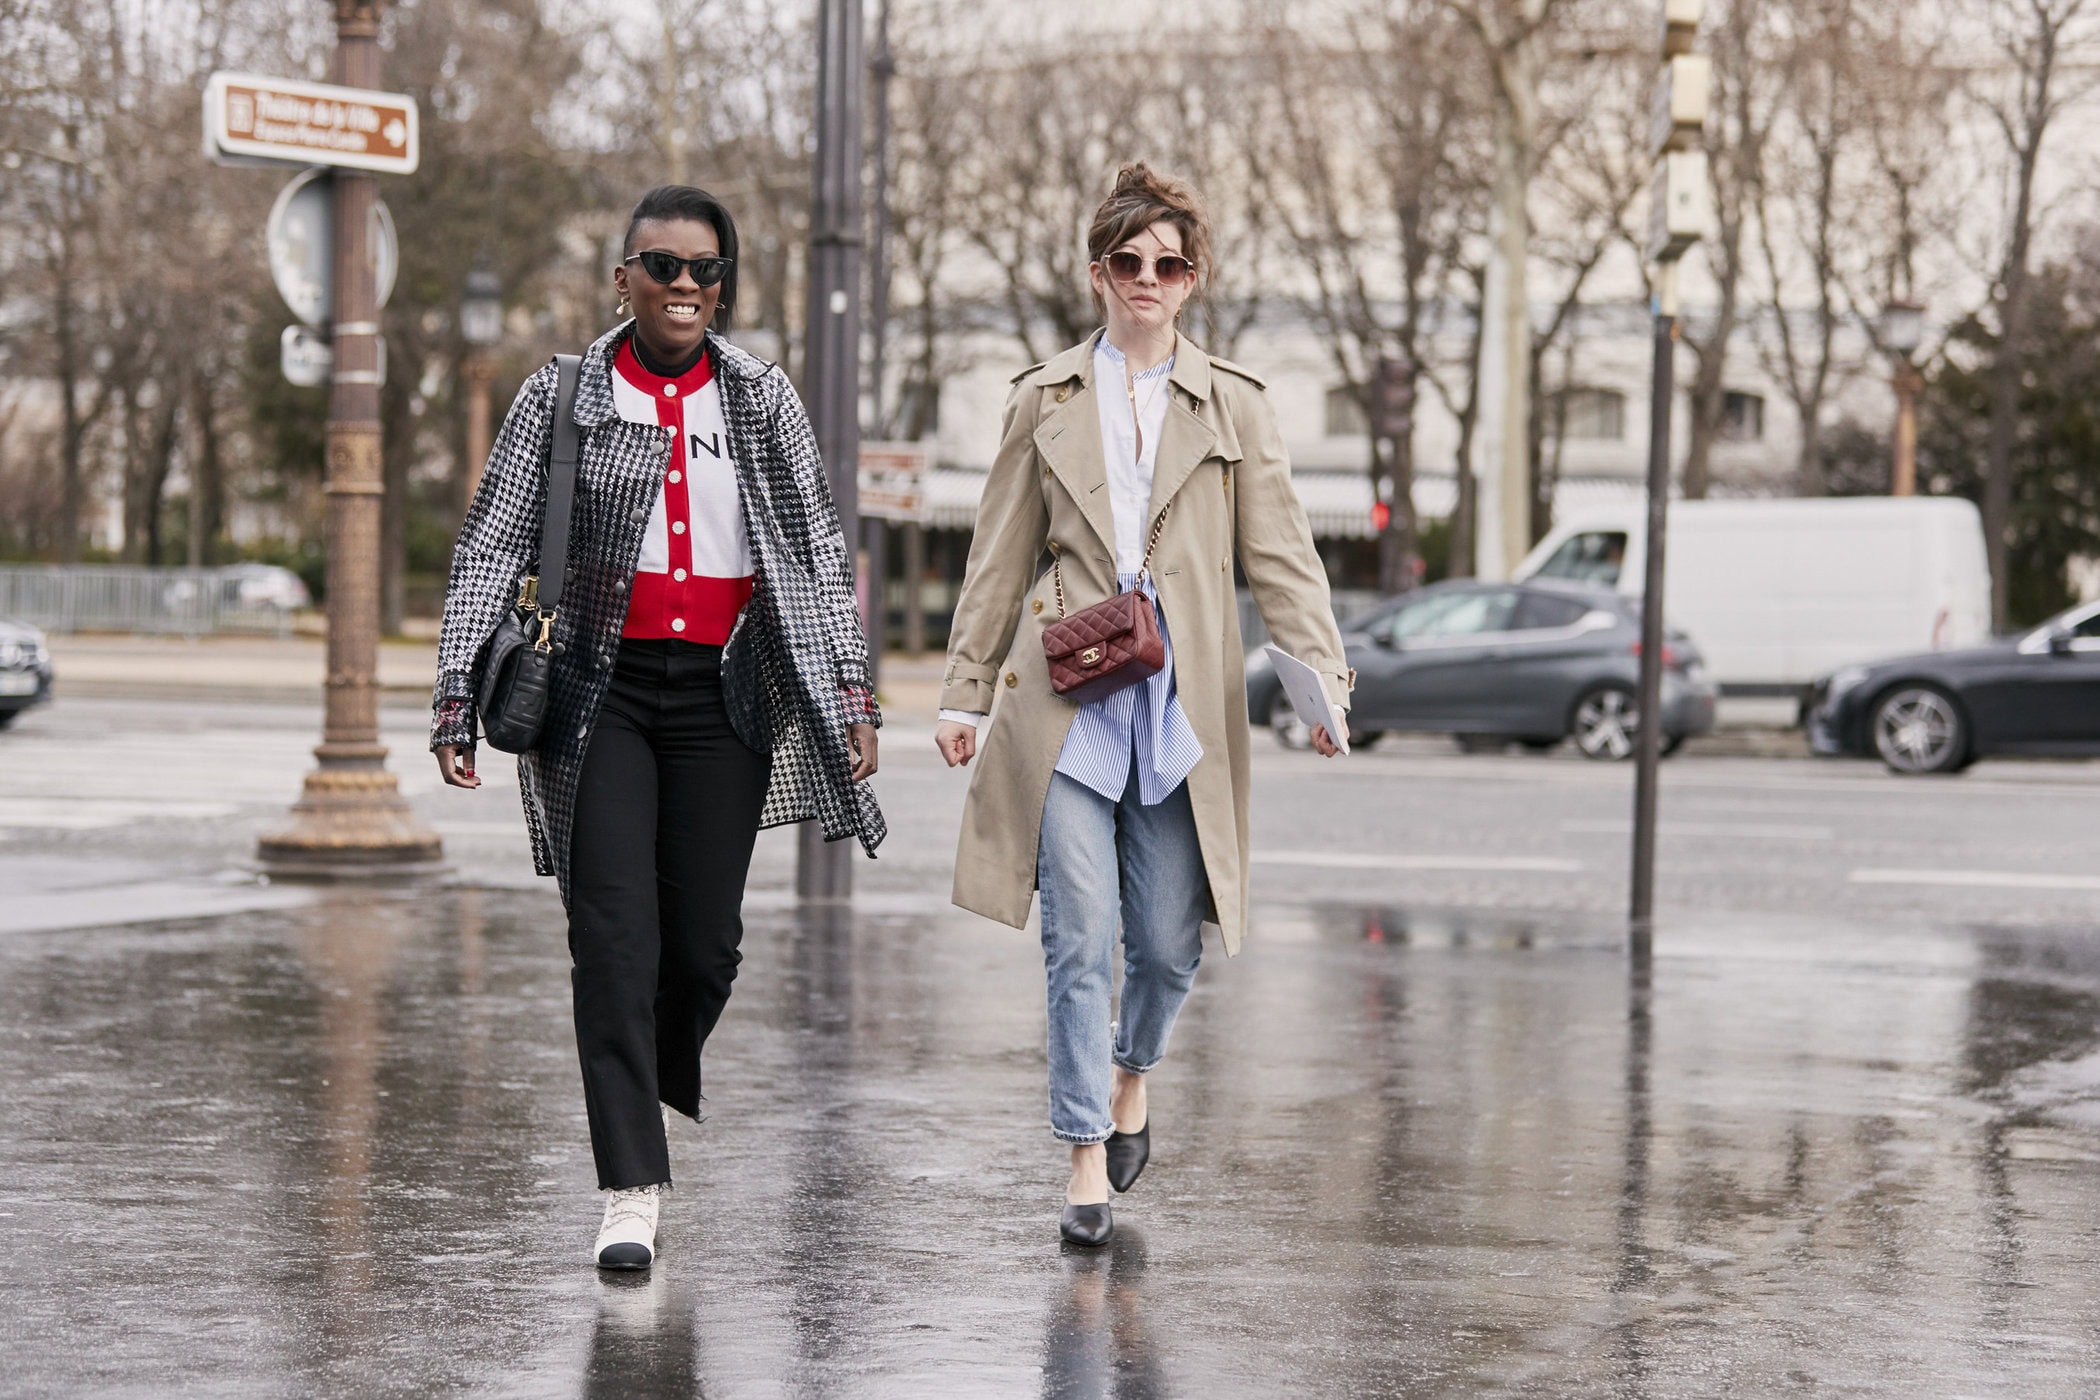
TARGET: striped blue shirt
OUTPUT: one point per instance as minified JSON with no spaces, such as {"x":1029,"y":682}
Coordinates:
{"x":1142,"y":723}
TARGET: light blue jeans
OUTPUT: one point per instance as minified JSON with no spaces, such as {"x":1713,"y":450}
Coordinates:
{"x":1099,"y":861}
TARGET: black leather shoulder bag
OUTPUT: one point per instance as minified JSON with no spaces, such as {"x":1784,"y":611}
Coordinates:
{"x":519,"y":663}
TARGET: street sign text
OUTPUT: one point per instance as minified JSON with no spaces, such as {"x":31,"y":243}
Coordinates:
{"x":247,"y":117}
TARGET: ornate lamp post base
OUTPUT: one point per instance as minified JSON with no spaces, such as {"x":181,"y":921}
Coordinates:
{"x":351,"y":821}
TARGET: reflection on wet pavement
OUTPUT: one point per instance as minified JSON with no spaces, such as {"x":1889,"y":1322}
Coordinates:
{"x":339,"y":1148}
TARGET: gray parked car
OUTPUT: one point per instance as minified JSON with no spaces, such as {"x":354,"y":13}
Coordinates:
{"x":1494,"y":663}
{"x":25,"y":669}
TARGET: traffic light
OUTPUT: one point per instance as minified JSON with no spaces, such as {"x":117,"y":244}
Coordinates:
{"x":1393,"y":397}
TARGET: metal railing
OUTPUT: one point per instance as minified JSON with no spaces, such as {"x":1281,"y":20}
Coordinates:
{"x":125,"y":598}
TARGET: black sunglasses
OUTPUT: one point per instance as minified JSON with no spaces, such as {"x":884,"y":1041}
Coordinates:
{"x":665,"y":267}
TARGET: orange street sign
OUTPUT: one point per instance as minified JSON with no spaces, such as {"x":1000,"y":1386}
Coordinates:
{"x":249,"y":119}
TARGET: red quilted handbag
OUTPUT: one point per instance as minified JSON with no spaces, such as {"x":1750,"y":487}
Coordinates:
{"x":1100,"y":650}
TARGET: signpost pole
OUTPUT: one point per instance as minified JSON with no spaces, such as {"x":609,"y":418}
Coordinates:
{"x":831,"y":346}
{"x":1677,"y":218}
{"x":351,"y":817}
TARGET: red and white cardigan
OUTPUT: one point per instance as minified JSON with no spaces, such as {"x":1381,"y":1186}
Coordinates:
{"x":694,"y":574}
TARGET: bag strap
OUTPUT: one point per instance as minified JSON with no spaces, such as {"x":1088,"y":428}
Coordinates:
{"x":1057,"y":564}
{"x":561,"y":486}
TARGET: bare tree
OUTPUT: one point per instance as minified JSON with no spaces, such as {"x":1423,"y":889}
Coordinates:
{"x":1806,"y":224}
{"x":1379,"y":228}
{"x":1513,"y":38}
{"x":1744,"y":91}
{"x":933,"y":133}
{"x":1593,"y":168}
{"x":2045,"y":48}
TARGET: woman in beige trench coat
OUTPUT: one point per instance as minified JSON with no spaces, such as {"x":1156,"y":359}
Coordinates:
{"x":1129,"y":813}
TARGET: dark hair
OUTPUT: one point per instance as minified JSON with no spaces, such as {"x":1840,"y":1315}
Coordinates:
{"x":675,"y":202}
{"x":1141,"y":199}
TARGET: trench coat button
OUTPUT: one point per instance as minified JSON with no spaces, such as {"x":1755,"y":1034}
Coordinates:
{"x":1036,"y":606}
{"x":1047,"y":476}
{"x":1223,"y":565}
{"x":1064,"y":391}
{"x":1012,"y":680}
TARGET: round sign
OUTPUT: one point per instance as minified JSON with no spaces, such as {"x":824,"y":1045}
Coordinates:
{"x":302,"y":247}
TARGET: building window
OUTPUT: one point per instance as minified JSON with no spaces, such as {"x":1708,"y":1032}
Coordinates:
{"x":1593,"y":415}
{"x":1345,"y":414}
{"x":1742,"y":417}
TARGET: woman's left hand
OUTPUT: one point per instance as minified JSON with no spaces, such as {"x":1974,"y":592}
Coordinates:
{"x":1323,"y":743}
{"x":862,"y":737}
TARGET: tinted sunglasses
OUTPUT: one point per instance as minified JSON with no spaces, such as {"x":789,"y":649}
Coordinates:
{"x":665,"y":267}
{"x":1172,"y":269}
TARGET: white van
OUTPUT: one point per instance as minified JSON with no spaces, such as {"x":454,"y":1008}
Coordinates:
{"x":1779,"y":592}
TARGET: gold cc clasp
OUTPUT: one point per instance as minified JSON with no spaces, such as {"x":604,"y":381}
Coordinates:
{"x":1090,"y":657}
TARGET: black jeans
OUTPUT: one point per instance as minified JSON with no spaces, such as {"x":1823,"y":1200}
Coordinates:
{"x":667,"y":811}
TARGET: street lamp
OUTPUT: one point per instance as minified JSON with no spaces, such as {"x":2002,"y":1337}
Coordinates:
{"x":1902,"y":329}
{"x":481,"y":324}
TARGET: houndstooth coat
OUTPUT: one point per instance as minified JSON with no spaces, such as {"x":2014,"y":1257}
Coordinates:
{"x":795,"y":670}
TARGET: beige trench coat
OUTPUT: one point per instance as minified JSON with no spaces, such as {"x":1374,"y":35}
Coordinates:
{"x":1221,"y":463}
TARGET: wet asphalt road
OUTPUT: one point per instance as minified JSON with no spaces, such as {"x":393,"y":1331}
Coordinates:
{"x":1433,"y":1133}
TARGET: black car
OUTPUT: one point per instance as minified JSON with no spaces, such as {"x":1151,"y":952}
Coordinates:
{"x":2033,"y":694}
{"x":25,"y":669}
{"x":1494,"y":663}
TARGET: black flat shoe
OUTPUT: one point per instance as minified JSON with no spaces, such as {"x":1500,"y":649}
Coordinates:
{"x":1087,"y":1225}
{"x":1127,"y":1155}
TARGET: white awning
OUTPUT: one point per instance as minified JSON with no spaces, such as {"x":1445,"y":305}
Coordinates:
{"x":1338,"y":504}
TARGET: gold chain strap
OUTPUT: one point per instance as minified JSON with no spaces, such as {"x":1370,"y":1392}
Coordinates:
{"x":1057,"y":566}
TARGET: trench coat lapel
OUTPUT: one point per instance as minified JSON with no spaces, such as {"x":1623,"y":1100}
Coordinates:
{"x":1187,"y":438}
{"x":1069,"y":438}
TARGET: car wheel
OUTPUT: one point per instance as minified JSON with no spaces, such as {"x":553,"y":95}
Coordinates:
{"x":1290,"y":731}
{"x":1539,"y":745}
{"x":1672,"y":743}
{"x":1481,"y":743}
{"x":8,"y":717}
{"x":1919,"y":729}
{"x":1607,"y":723}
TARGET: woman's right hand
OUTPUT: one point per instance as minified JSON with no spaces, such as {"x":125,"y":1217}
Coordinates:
{"x":456,"y":762}
{"x":956,"y":741}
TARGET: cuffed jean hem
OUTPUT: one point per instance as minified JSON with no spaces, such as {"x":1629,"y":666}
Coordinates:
{"x":1082,"y":1139}
{"x":1129,"y":1068}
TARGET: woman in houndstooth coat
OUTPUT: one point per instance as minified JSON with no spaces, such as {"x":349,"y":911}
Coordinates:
{"x":710,"y":676}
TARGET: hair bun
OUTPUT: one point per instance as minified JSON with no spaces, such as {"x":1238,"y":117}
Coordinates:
{"x":1137,"y":179}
